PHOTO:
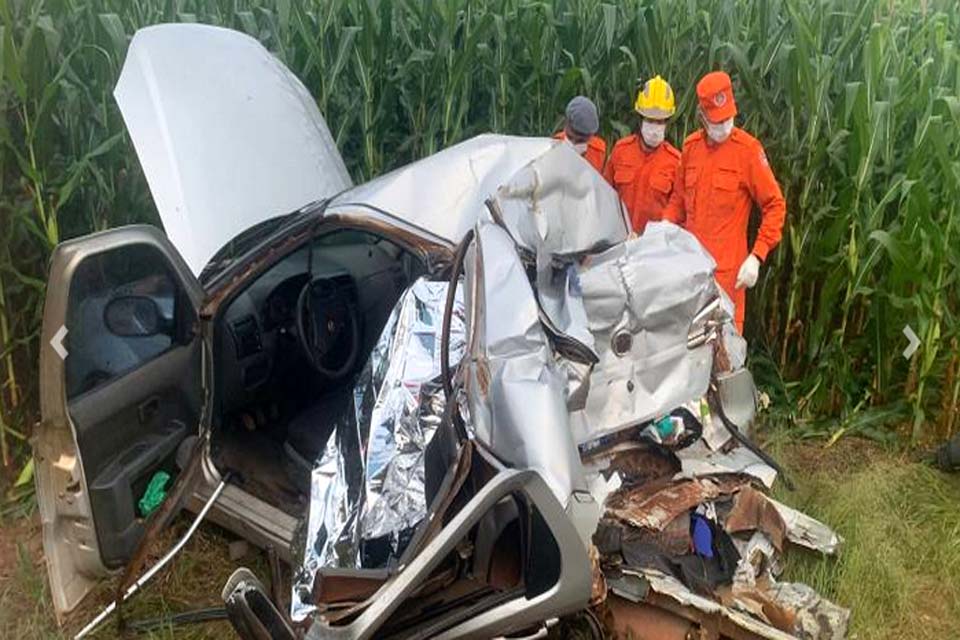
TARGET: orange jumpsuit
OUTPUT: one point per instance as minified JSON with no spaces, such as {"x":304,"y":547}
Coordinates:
{"x":596,"y":149}
{"x":713,"y":195}
{"x":643,"y":177}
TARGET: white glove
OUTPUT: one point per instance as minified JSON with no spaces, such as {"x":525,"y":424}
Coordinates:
{"x":749,"y":272}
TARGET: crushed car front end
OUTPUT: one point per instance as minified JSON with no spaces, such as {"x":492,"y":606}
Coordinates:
{"x":565,"y":345}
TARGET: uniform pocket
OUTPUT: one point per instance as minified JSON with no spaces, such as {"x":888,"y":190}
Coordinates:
{"x":624,"y":175}
{"x":726,"y":190}
{"x":662,"y":183}
{"x":624,"y":181}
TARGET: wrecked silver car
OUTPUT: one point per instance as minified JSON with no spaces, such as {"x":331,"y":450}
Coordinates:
{"x":460,"y":400}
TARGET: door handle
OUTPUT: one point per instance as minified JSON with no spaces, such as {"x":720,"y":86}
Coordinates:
{"x":147,"y":409}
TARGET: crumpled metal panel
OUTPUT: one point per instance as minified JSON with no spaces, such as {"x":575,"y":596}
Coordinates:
{"x":699,"y":460}
{"x":460,"y":180}
{"x":557,"y":206}
{"x":515,"y":390}
{"x":672,"y":588}
{"x":815,"y":616}
{"x":537,"y":181}
{"x":807,"y":531}
{"x":647,"y":290}
{"x":369,"y":482}
{"x":656,"y":505}
{"x":759,"y":558}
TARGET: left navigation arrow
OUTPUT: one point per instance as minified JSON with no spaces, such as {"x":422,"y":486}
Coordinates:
{"x":57,"y":342}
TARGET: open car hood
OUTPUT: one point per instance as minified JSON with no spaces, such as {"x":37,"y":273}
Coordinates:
{"x":227,"y":136}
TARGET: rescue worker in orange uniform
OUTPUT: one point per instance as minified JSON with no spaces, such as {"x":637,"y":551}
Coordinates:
{"x":643,"y":166}
{"x":723,"y":172}
{"x":580,"y":128}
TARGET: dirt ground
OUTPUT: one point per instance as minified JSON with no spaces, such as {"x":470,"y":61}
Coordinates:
{"x":193,"y":582}
{"x":899,"y":570}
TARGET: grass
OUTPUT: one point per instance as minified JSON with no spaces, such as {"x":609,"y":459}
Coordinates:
{"x":899,"y":570}
{"x":193,"y":581}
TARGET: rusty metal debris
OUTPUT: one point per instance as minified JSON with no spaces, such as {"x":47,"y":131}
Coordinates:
{"x":752,"y":511}
{"x":654,"y":510}
{"x":808,"y":532}
{"x":664,"y":584}
{"x":788,"y":606}
{"x":813,"y":616}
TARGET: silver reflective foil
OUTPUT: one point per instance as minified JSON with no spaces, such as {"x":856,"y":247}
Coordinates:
{"x":369,"y":482}
{"x":409,"y":407}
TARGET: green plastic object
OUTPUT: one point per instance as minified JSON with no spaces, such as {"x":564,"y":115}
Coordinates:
{"x":665,"y":427}
{"x":154,"y":494}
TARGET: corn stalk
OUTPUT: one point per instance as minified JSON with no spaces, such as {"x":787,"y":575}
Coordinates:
{"x":856,"y":101}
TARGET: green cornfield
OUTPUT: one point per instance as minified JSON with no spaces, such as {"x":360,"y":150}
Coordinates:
{"x":856,"y":101}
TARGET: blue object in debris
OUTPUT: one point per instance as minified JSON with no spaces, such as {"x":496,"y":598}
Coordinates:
{"x":702,"y":535}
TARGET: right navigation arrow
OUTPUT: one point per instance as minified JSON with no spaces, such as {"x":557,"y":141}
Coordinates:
{"x":914,"y":342}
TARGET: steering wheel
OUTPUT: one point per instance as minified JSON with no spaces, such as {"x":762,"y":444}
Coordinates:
{"x":327,"y":328}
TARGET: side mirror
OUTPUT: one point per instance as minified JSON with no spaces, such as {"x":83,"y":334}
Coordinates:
{"x":133,"y":317}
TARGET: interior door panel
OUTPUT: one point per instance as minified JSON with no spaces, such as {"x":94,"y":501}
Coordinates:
{"x":118,"y":393}
{"x":127,"y":431}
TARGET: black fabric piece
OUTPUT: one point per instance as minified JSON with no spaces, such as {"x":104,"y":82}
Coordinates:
{"x":644,"y":555}
{"x":701,"y":575}
{"x":374,"y":552}
{"x":383,"y":551}
{"x":692,"y":428}
{"x":608,"y":538}
{"x":310,"y":429}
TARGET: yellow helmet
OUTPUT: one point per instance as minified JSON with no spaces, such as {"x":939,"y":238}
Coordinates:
{"x":655,"y":99}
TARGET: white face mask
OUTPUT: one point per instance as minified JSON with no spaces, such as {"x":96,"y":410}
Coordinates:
{"x":653,"y":133}
{"x":579,"y":147}
{"x":720,"y":131}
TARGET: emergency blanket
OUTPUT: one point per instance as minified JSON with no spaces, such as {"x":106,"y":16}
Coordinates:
{"x":367,"y":490}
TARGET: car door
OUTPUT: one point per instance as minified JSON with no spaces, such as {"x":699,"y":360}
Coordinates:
{"x":120,"y":388}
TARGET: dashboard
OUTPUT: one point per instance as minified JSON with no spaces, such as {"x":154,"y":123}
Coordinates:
{"x":257,"y":343}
